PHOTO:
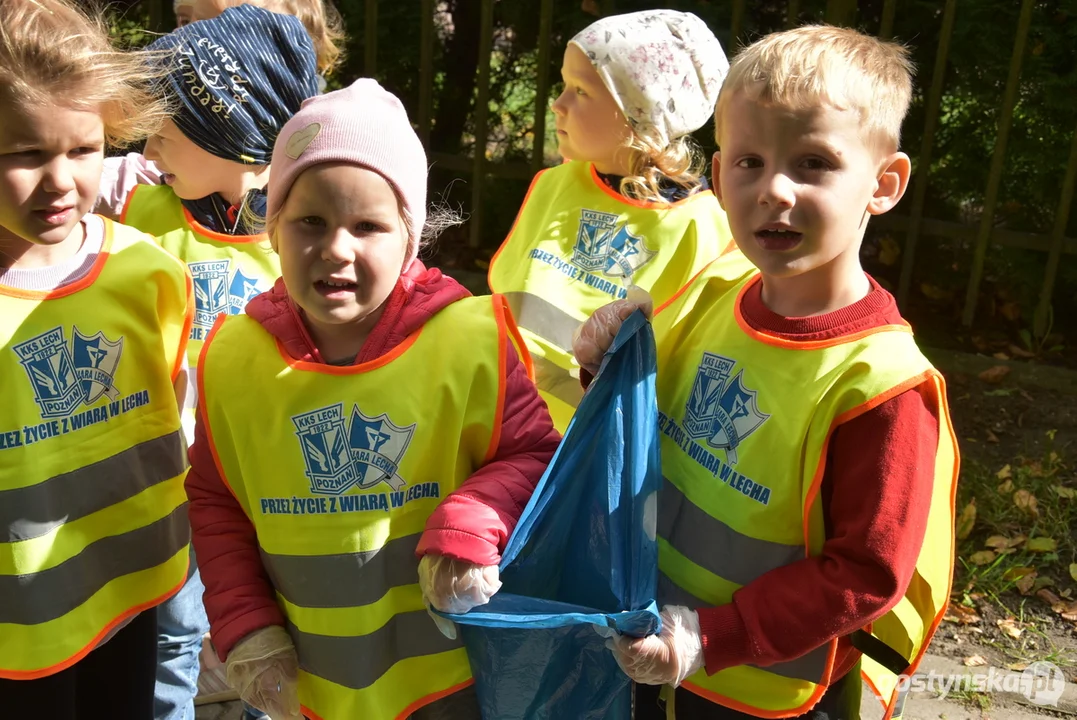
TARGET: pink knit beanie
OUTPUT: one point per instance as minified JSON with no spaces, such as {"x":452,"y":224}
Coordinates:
{"x":362,"y":124}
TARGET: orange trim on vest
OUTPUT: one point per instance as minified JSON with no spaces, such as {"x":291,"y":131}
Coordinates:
{"x":803,"y":344}
{"x":684,"y":287}
{"x":817,"y":477}
{"x":817,"y":695}
{"x":203,"y":418}
{"x":349,"y":369}
{"x":187,"y":323}
{"x":81,"y":284}
{"x":646,"y":204}
{"x":519,"y":213}
{"x":432,"y":698}
{"x":728,"y":248}
{"x":500,"y":316}
{"x":127,"y":204}
{"x":201,"y":229}
{"x":93,"y":644}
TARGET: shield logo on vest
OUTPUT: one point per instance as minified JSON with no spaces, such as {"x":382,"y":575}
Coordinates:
{"x":324,"y":441}
{"x":96,"y":359}
{"x":377,"y":447}
{"x":240,"y":292}
{"x":702,"y":405}
{"x":721,"y":410}
{"x":737,"y":417}
{"x":48,"y":363}
{"x":210,"y":290}
{"x":603,"y":246}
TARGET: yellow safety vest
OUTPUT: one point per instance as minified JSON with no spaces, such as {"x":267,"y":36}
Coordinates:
{"x":576,"y":245}
{"x":338,"y":469}
{"x":228,"y":270}
{"x":91,"y":457}
{"x":745,"y":420}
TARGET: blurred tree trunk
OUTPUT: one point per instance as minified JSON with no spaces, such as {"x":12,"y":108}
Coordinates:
{"x":461,"y":60}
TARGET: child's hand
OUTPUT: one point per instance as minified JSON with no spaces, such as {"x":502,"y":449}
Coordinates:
{"x":594,"y":337}
{"x":666,"y":658}
{"x":455,"y":586}
{"x":264,"y":669}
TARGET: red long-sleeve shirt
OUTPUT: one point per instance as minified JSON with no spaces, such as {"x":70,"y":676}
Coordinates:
{"x":875,"y":495}
{"x":471,"y":524}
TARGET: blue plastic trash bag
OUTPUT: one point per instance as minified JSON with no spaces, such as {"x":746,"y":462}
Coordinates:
{"x":582,"y":555}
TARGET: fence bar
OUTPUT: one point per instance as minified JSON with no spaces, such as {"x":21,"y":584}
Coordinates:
{"x":370,"y":38}
{"x":736,"y":27}
{"x":542,"y":89}
{"x":482,"y":116}
{"x":951,"y":230}
{"x":1058,"y":233}
{"x":923,"y":166}
{"x":998,"y":159}
{"x":886,"y":27}
{"x":792,"y":14}
{"x":426,"y":69}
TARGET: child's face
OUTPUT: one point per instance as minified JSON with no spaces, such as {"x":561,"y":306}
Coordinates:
{"x":190,"y":171}
{"x":342,"y":244}
{"x":798,"y":186}
{"x":50,"y":171}
{"x":590,"y":126}
{"x":208,"y":9}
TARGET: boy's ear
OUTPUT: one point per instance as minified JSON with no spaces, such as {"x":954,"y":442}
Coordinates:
{"x":892,"y":183}
{"x":716,"y":175}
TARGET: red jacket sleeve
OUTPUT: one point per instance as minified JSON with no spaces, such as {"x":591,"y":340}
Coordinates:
{"x":473,"y":523}
{"x":876,"y":505}
{"x":239,"y":597}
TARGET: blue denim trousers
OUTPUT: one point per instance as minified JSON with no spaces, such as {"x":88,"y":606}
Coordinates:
{"x":181,"y":623}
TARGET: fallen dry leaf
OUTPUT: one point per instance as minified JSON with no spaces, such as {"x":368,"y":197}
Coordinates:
{"x":1026,"y":396}
{"x":1065,"y":492}
{"x":1011,"y":311}
{"x":1000,"y":356}
{"x":1005,"y":488}
{"x":1020,"y":351}
{"x":966,"y":520}
{"x":982,"y":557}
{"x":1048,"y":597}
{"x":1073,"y":571}
{"x":1041,"y":545}
{"x":934,"y":292}
{"x":994,"y":374}
{"x":1010,"y":627}
{"x":962,"y":615}
{"x":1025,"y":583}
{"x":974,"y":661}
{"x":997,"y":541}
{"x":1026,"y":502}
{"x":991,"y":437}
{"x":1018,"y":572}
{"x":1018,"y":666}
{"x":1005,"y":473}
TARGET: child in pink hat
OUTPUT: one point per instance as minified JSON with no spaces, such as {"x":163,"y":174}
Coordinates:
{"x":365,"y":413}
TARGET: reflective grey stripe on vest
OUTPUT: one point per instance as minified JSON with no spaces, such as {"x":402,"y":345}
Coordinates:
{"x":347,"y":579}
{"x":52,"y":593}
{"x":808,"y":667}
{"x":543,"y":318}
{"x":713,"y":545}
{"x":37,"y":510}
{"x":358,"y":661}
{"x":554,"y":380}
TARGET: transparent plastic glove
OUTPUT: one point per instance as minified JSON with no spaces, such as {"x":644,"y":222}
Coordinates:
{"x":263,"y":668}
{"x":455,"y":586}
{"x":592,"y":339}
{"x":666,"y":658}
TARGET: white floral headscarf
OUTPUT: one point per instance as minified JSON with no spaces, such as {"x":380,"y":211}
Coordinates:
{"x":664,"y":68}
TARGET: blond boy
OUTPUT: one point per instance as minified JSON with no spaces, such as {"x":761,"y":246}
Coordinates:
{"x":805,"y":521}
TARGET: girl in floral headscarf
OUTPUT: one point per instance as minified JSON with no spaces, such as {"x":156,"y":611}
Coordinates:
{"x":630,"y":204}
